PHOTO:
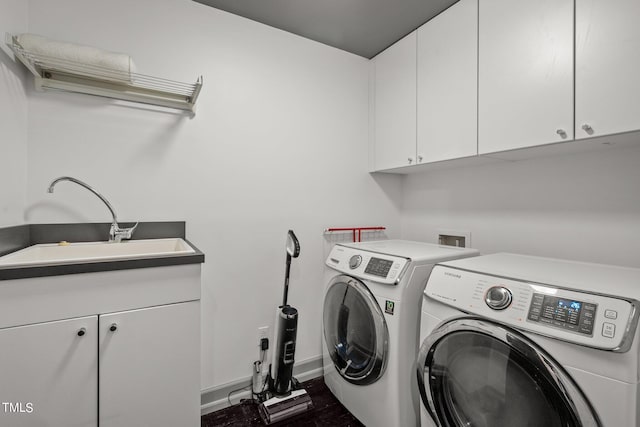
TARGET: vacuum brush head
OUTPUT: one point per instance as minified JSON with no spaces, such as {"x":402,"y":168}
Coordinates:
{"x":280,"y":408}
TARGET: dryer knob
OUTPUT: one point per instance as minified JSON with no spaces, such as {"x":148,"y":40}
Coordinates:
{"x":355,"y":261}
{"x":498,"y":297}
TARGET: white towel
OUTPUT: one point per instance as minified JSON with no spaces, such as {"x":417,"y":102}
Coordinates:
{"x":79,"y":59}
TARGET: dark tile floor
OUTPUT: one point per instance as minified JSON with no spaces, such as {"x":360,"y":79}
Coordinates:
{"x":326,"y":411}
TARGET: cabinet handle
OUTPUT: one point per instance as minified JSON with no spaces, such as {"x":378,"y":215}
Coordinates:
{"x":410,"y":159}
{"x":562,"y":133}
{"x":587,"y":128}
{"x":419,"y":159}
{"x":81,"y":332}
{"x":113,"y":327}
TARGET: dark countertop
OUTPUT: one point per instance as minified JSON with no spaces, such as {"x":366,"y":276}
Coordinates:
{"x":19,"y":237}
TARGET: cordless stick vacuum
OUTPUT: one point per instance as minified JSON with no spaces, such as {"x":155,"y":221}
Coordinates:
{"x":288,"y":399}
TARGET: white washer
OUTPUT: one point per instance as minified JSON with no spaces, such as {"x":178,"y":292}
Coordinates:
{"x":514,"y":340}
{"x":370,"y":326}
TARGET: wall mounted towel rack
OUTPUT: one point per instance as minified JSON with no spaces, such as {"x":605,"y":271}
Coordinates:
{"x":356,"y":231}
{"x":66,"y":75}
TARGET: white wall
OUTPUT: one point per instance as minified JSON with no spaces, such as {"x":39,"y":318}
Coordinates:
{"x":279,"y":141}
{"x":584,"y":207}
{"x":13,"y":118}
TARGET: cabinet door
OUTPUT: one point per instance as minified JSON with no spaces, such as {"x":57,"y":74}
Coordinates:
{"x":150,"y":367}
{"x":525,"y":75}
{"x":448,"y":84}
{"x":395,"y":105}
{"x":48,"y":374}
{"x":607,"y":67}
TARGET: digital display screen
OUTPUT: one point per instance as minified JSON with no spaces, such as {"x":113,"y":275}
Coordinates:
{"x":567,"y":311}
{"x":564,"y":313}
{"x":378,"y":267}
{"x":569,"y":305}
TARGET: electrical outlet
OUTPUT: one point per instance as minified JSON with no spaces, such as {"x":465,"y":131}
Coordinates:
{"x":263,"y":332}
{"x":261,"y":365}
{"x":263,"y":356}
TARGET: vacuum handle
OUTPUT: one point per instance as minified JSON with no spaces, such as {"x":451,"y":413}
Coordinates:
{"x":293,"y":245}
{"x":293,"y":251}
{"x":286,"y":281}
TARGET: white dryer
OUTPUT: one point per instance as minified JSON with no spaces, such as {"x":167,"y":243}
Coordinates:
{"x":513,"y":340}
{"x":370,"y":325}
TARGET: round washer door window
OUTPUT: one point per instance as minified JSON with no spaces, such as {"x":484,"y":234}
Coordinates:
{"x":355,"y":331}
{"x":474,"y":372}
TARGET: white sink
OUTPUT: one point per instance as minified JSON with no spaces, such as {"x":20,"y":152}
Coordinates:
{"x":73,"y":253}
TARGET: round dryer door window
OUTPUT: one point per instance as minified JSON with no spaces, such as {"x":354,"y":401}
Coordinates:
{"x":355,"y":331}
{"x":475,"y":372}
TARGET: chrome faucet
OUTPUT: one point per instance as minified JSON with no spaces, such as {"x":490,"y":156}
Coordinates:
{"x":116,"y":234}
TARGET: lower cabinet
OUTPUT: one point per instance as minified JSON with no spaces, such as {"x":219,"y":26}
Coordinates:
{"x":149,"y":367}
{"x":48,"y":374}
{"x":131,"y":368}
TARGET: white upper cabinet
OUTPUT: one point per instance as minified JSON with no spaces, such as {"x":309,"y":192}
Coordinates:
{"x":525,"y":73}
{"x":448,"y":84}
{"x":496,"y":76}
{"x":607,"y":67}
{"x":395,"y":105}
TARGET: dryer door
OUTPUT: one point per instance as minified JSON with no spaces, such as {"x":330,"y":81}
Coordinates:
{"x":475,"y":372}
{"x":355,"y":331}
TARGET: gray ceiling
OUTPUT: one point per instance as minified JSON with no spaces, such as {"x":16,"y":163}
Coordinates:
{"x":363,"y":27}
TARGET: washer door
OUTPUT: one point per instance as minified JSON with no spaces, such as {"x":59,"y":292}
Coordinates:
{"x":355,"y":331}
{"x":475,"y":372}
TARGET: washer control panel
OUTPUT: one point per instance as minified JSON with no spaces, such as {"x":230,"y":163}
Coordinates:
{"x":565,"y":313}
{"x":589,"y":319}
{"x":372,"y":266}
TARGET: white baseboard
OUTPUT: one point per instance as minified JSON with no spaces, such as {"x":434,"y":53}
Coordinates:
{"x":216,"y":398}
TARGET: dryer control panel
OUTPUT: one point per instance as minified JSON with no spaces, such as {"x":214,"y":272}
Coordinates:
{"x":594,"y":320}
{"x":366,"y":265}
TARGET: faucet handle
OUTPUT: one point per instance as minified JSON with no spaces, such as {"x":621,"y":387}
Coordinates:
{"x":116,"y":234}
{"x":130,"y":230}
